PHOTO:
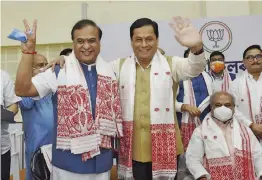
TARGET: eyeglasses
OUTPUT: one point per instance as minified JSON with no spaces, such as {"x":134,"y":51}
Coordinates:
{"x":251,"y":58}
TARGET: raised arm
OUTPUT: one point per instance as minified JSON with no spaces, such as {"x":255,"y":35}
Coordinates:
{"x":188,"y":36}
{"x":23,"y":83}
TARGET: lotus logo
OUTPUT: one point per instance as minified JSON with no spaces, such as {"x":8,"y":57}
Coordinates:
{"x":216,"y":36}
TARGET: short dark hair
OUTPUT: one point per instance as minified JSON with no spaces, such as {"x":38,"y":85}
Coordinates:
{"x":83,"y":23}
{"x":216,"y":53}
{"x":186,"y":53}
{"x":250,"y":48}
{"x":66,"y":51}
{"x":143,"y":22}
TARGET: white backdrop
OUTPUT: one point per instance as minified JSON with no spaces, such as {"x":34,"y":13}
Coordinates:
{"x":232,"y":35}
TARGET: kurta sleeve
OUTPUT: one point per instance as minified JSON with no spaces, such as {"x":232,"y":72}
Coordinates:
{"x":45,"y":83}
{"x":187,"y":68}
{"x":194,"y":155}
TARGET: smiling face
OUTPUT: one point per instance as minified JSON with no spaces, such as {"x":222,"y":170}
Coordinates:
{"x":86,"y":44}
{"x":144,"y":43}
{"x":253,"y":61}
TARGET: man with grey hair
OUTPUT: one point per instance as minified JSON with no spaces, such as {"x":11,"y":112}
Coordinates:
{"x":221,"y":148}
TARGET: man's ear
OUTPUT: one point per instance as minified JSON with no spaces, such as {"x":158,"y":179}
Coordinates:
{"x":244,"y":62}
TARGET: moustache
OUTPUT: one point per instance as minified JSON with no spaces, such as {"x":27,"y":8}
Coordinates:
{"x":256,"y":63}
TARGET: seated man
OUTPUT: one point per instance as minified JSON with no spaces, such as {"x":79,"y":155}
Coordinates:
{"x":221,"y":148}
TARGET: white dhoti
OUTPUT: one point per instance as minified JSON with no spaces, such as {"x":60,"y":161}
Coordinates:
{"x":60,"y":174}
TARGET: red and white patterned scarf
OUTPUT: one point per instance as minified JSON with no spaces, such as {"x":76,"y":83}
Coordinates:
{"x":188,"y":122}
{"x":254,"y":118}
{"x":218,"y":162}
{"x":226,"y":80}
{"x":164,"y":162}
{"x":76,"y":129}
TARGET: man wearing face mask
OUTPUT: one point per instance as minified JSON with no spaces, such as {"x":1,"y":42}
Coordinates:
{"x":222,"y":148}
{"x":221,"y":77}
{"x":247,"y":90}
{"x":37,"y":117}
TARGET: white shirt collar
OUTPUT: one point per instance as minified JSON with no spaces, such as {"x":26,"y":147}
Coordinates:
{"x":217,"y":77}
{"x":142,"y":66}
{"x":251,"y":77}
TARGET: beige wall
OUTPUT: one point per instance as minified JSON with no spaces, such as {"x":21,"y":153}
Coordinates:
{"x":55,"y":19}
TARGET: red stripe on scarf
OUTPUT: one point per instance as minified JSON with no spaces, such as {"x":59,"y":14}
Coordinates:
{"x":75,"y":115}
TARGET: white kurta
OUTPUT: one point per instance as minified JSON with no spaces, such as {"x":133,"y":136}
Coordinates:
{"x":239,"y":91}
{"x":209,"y":140}
{"x":182,"y":69}
{"x":220,"y":83}
{"x":217,"y":83}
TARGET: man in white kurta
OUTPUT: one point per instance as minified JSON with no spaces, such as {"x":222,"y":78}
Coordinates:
{"x":247,"y":90}
{"x":222,"y":148}
{"x":148,"y":82}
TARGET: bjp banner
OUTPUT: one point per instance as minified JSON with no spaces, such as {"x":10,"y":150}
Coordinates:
{"x":230,"y":35}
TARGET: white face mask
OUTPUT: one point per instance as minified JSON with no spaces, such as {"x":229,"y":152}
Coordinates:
{"x":223,"y":113}
{"x":42,"y":69}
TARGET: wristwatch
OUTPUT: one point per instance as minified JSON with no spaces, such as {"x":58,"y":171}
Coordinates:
{"x":199,"y":52}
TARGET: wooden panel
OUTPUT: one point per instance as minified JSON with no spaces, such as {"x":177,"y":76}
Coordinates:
{"x":22,"y":175}
{"x":12,"y":54}
{"x":113,"y":173}
{"x":42,"y":49}
{"x":54,"y":51}
{"x":11,"y":68}
{"x":3,"y":60}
